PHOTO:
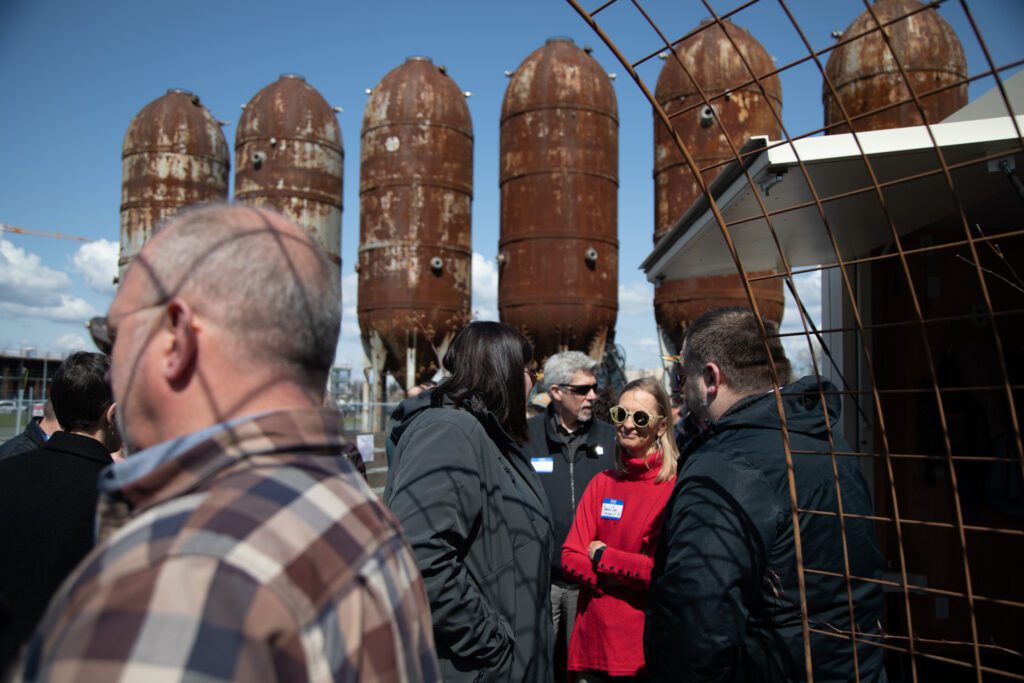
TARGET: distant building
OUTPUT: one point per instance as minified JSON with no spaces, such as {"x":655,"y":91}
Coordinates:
{"x":27,"y":369}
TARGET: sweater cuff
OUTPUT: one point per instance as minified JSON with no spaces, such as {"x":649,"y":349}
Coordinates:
{"x":633,"y":568}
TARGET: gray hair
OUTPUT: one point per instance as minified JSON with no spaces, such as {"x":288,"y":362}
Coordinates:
{"x":277,"y":292}
{"x":560,"y":367}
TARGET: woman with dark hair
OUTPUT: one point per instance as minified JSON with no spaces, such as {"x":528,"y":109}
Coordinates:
{"x":474,"y":512}
{"x":610,"y":548}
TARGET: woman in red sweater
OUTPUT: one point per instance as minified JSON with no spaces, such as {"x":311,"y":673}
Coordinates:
{"x":611,"y":545}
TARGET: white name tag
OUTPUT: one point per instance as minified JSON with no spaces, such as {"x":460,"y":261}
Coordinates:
{"x":611,"y":509}
{"x":543,"y":465}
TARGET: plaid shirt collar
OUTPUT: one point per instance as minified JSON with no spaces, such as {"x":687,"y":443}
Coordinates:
{"x":191,"y":462}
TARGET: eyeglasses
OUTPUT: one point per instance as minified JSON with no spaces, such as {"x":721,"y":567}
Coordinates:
{"x":103,"y":335}
{"x":578,"y":389}
{"x":641,"y":418}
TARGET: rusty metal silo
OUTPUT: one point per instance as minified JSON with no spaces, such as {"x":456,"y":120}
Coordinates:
{"x":744,"y":111}
{"x":866,"y":76}
{"x":288,"y":156}
{"x":415,"y":197}
{"x":174,"y":155}
{"x":559,"y":251}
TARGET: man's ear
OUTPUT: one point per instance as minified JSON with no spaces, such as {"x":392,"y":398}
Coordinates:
{"x":109,"y":414}
{"x":181,"y":354}
{"x":712,"y":375}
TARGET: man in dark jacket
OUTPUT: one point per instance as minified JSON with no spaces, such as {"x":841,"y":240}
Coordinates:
{"x":35,"y":435}
{"x":48,"y":496}
{"x":725,"y":602}
{"x":567,"y":448}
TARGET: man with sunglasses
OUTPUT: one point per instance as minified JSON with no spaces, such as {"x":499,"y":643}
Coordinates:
{"x":237,"y":541}
{"x":568,"y":447}
{"x":727,"y":594}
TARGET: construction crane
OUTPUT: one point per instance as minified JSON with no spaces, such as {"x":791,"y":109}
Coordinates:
{"x":13,"y":229}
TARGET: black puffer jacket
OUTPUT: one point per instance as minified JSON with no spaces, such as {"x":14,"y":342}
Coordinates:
{"x":725,"y":602}
{"x":564,"y":478}
{"x":475,"y":514}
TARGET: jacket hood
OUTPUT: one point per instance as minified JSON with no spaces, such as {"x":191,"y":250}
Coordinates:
{"x":802,"y":402}
{"x":407,"y":411}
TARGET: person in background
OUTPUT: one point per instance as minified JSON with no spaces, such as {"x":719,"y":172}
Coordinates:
{"x":610,"y":548}
{"x":725,"y":594}
{"x":35,"y":435}
{"x":415,"y":391}
{"x":48,"y":496}
{"x":568,"y":447}
{"x":239,"y":544}
{"x":475,"y":513}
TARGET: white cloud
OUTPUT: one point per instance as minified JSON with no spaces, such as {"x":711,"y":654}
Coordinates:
{"x":636,"y":298}
{"x":349,"y":314}
{"x":24,"y":279}
{"x":808,"y":287}
{"x":647,"y":345}
{"x":485,"y":288}
{"x":71,"y":342}
{"x":96,"y":262}
{"x":65,"y":308}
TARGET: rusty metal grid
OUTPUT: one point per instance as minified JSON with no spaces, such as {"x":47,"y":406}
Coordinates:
{"x":941,"y":542}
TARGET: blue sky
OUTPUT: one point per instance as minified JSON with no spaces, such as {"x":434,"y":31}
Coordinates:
{"x":73,"y":75}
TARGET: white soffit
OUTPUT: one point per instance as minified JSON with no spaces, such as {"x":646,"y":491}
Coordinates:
{"x":695,"y":247}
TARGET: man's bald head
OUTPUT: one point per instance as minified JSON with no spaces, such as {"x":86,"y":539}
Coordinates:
{"x":258,"y":276}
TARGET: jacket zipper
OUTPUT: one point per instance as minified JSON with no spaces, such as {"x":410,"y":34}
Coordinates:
{"x":572,"y":485}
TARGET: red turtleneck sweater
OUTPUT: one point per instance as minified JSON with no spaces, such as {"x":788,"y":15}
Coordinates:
{"x":623,"y":511}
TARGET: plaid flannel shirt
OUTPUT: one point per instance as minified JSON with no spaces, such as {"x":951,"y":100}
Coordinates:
{"x":258,"y":554}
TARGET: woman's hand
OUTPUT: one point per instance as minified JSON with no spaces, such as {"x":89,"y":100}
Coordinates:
{"x":594,"y":545}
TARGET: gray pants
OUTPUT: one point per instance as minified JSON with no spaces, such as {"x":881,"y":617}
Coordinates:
{"x":563,"y":614}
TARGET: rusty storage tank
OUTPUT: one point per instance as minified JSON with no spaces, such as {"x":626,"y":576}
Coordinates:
{"x":415,"y":196}
{"x":288,"y":156}
{"x":866,"y":76}
{"x":559,"y":253}
{"x":174,"y":154}
{"x":742,"y":111}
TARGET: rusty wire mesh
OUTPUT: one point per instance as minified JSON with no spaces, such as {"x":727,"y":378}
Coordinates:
{"x":921,"y":334}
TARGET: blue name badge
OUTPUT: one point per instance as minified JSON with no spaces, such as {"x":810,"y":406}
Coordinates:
{"x":543,"y":465}
{"x":611,"y":509}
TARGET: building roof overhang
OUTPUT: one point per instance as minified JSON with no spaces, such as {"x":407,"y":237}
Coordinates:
{"x":912,"y":192}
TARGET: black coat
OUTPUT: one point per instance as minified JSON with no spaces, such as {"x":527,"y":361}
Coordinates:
{"x":475,"y":514}
{"x":565,"y":483}
{"x":32,"y":438}
{"x":48,"y":507}
{"x":725,"y":602}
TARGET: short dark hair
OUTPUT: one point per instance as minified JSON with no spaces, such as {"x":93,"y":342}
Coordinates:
{"x":487,"y":360}
{"x":731,"y":339}
{"x":80,"y":392}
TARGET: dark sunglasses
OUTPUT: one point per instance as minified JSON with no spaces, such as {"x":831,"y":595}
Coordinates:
{"x":641,"y":418}
{"x":578,"y":389}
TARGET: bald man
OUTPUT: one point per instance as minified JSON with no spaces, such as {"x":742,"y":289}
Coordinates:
{"x":240,"y":544}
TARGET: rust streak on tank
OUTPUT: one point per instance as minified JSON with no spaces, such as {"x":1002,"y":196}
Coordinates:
{"x":288,"y":156}
{"x":559,"y":252}
{"x":866,"y":76}
{"x":415,"y":197}
{"x":740,"y":109}
{"x":174,"y":155}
